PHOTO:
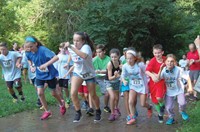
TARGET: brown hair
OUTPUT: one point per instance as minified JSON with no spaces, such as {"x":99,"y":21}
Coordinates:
{"x":3,"y":44}
{"x":158,"y":46}
{"x":87,"y":39}
{"x":172,"y":56}
{"x":101,"y":46}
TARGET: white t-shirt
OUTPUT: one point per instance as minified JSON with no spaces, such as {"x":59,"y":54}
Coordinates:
{"x":173,"y":80}
{"x":183,"y":63}
{"x":8,"y":63}
{"x":136,"y":76}
{"x":83,"y":67}
{"x":63,"y":58}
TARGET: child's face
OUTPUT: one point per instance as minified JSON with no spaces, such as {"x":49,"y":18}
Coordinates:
{"x":100,"y":53}
{"x":3,"y":50}
{"x":114,"y":57}
{"x":158,"y":53}
{"x":130,"y":59}
{"x":78,"y":41}
{"x":62,"y":50}
{"x":30,"y":46}
{"x":170,"y":63}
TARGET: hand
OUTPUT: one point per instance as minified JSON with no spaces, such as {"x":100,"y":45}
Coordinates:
{"x":197,"y":42}
{"x":125,"y":83}
{"x":97,"y":71}
{"x":66,"y":66}
{"x":43,"y":67}
{"x":19,"y":65}
{"x":116,"y":74}
{"x":162,"y":66}
{"x":191,"y":61}
{"x":155,"y":78}
{"x":33,"y":69}
{"x":67,"y":45}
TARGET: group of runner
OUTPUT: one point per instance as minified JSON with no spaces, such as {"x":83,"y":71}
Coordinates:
{"x":161,"y":79}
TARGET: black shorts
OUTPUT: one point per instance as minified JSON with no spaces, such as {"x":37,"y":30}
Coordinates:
{"x":63,"y":83}
{"x":51,"y":83}
{"x":17,"y":83}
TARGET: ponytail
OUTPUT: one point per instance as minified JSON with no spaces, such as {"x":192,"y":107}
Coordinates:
{"x":87,"y":39}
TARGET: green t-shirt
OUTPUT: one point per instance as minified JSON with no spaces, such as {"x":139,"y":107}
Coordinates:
{"x":100,"y":64}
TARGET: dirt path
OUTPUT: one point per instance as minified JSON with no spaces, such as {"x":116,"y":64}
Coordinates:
{"x":30,"y":122}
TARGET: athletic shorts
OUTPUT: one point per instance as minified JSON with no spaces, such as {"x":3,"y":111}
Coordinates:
{"x":17,"y":83}
{"x":63,"y":83}
{"x":51,"y":83}
{"x":124,"y":88}
{"x":83,"y":89}
{"x":157,"y":90}
{"x":194,"y":74}
{"x":92,"y":80}
{"x":112,"y":85}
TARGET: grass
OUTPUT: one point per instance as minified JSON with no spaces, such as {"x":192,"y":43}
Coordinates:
{"x":193,"y":125}
{"x":7,"y":107}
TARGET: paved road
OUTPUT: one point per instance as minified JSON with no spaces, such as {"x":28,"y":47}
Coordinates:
{"x":29,"y":121}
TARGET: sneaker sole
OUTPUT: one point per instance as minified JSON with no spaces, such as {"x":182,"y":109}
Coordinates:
{"x":95,"y":121}
{"x":75,"y":121}
{"x":46,"y":118}
{"x":161,"y":122}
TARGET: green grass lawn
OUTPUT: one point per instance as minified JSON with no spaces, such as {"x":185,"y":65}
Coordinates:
{"x":7,"y":107}
{"x":193,"y":125}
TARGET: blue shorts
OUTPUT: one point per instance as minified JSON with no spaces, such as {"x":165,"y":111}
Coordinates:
{"x":124,"y":88}
{"x":92,"y":80}
{"x":51,"y":83}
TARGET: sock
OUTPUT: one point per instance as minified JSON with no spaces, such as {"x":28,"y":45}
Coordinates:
{"x":20,"y":93}
{"x":14,"y":96}
{"x":157,"y":107}
{"x":78,"y":111}
{"x":161,"y":104}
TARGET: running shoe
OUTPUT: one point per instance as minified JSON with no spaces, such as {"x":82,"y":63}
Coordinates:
{"x":128,"y":118}
{"x":39,"y":104}
{"x":46,"y":115}
{"x":42,"y":107}
{"x":131,"y":121}
{"x":184,"y":116}
{"x":111,"y":117}
{"x":107,"y":109}
{"x":77,"y":117}
{"x":62,"y":108}
{"x":90,"y":112}
{"x":97,"y":116}
{"x":117,"y":111}
{"x":22,"y":98}
{"x":160,"y":118}
{"x":14,"y":100}
{"x":170,"y":121}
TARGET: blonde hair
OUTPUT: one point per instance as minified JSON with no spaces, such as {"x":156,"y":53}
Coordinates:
{"x":172,"y":56}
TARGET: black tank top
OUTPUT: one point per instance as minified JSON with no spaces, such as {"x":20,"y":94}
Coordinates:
{"x":113,"y":70}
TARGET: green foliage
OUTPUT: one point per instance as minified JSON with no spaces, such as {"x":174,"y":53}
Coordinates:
{"x":117,"y":23}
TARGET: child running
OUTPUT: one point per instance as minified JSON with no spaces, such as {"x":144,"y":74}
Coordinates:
{"x":43,"y":60}
{"x":100,"y":62}
{"x":81,"y":54}
{"x":62,"y":70}
{"x":134,"y":73}
{"x":113,"y":83}
{"x":11,"y":66}
{"x":173,"y":76}
{"x":157,"y":87}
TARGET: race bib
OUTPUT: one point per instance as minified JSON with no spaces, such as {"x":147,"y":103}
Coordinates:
{"x":7,"y":63}
{"x":86,"y":76}
{"x":170,"y":85}
{"x":46,"y":70}
{"x":137,"y":82}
